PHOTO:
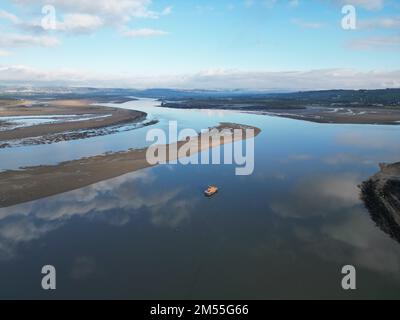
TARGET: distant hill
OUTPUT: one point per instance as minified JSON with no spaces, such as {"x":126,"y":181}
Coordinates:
{"x":364,"y":97}
{"x":354,"y":98}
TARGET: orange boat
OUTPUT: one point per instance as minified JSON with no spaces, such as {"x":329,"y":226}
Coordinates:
{"x":211,"y":190}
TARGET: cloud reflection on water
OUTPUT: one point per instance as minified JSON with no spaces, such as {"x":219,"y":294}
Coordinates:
{"x":319,"y":195}
{"x":331,"y":222}
{"x":114,"y":202}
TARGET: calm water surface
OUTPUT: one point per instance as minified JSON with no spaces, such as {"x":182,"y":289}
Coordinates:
{"x":284,"y":232}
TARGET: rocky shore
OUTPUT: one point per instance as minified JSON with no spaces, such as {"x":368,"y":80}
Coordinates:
{"x":381,"y":195}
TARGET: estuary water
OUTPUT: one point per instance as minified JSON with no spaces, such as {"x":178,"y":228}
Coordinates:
{"x":285,"y":231}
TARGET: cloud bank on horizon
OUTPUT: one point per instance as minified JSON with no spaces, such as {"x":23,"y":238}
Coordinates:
{"x":229,"y":44}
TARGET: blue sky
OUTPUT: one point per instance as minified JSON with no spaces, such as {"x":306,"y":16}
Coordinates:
{"x":253,"y":44}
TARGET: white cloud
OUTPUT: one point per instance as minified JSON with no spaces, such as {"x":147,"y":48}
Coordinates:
{"x":21,"y":73}
{"x":79,"y":23}
{"x":379,"y":43}
{"x":297,"y":80}
{"x":248,"y":3}
{"x":366,"y":4}
{"x":269,"y":3}
{"x":387,"y":22}
{"x":18,"y":40}
{"x":204,"y":9}
{"x":294,"y":3}
{"x":84,"y":16}
{"x":70,"y":23}
{"x":210,"y":79}
{"x":167,"y":11}
{"x":143,"y":33}
{"x":9,"y":16}
{"x":307,"y":24}
{"x":116,"y":10}
{"x":4,"y":53}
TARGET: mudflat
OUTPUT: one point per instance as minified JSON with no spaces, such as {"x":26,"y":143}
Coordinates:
{"x":300,"y":111}
{"x":103,"y":117}
{"x":39,"y":182}
{"x":341,"y":115}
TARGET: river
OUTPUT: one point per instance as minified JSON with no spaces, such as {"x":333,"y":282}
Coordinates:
{"x":285,"y":231}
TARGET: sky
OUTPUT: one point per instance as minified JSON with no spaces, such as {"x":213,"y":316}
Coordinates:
{"x":201,"y":44}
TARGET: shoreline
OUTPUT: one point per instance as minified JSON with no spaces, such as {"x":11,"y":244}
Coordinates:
{"x":316,"y":114}
{"x":381,"y":196}
{"x":34,"y":183}
{"x":105,"y":117}
{"x":370,"y":116}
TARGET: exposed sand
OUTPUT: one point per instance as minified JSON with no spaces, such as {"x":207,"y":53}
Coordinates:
{"x":65,"y":107}
{"x":12,"y":102}
{"x":71,"y":103}
{"x":319,"y":114}
{"x":44,"y":181}
{"x":340,"y":115}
